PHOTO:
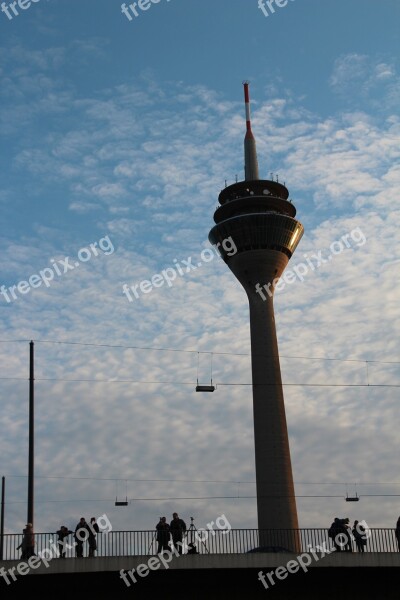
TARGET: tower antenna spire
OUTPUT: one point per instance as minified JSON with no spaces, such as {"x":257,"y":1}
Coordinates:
{"x":250,"y":149}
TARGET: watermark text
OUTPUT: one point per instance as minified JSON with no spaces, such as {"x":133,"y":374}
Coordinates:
{"x":58,"y":267}
{"x":169,"y":274}
{"x":313,"y":262}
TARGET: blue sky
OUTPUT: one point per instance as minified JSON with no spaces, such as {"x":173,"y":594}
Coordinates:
{"x":121,"y":133}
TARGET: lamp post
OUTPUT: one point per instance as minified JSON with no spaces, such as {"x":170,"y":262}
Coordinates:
{"x":31,"y":435}
{"x":3,"y":491}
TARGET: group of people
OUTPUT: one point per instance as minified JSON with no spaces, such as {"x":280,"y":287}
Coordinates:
{"x":340,"y":532}
{"x":176,"y":529}
{"x":83,"y":532}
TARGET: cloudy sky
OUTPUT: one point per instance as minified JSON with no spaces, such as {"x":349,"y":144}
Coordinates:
{"x":117,"y":136}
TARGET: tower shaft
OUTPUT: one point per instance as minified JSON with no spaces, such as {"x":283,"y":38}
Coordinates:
{"x":276,"y":504}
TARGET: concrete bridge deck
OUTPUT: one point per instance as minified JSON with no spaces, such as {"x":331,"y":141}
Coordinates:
{"x":210,"y":561}
{"x":229,"y":576}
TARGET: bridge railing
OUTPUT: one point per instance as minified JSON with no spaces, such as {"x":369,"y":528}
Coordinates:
{"x":216,"y":541}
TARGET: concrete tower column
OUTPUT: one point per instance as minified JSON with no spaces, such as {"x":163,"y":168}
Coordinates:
{"x":276,"y":504}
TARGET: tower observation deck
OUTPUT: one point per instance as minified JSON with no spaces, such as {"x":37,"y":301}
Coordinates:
{"x":260,"y":219}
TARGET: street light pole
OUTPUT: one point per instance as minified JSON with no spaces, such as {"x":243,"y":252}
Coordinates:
{"x":31,"y":435}
{"x":3,"y":491}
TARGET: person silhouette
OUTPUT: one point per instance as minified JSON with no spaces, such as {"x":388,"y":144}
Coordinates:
{"x":359,"y":535}
{"x":163,"y":534}
{"x":62,"y":533}
{"x":397,"y":533}
{"x":177,"y":528}
{"x":347,"y":534}
{"x":81,"y":534}
{"x":93,"y":529}
{"x":28,"y":542}
{"x":334,"y":533}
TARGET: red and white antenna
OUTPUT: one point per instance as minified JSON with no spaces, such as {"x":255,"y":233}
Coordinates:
{"x":250,"y":149}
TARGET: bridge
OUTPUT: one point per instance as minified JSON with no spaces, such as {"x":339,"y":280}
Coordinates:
{"x":228,"y":564}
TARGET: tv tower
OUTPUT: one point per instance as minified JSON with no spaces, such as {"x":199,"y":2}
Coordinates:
{"x":258,"y":216}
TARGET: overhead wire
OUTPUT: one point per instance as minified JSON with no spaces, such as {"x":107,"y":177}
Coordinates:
{"x":236,"y":497}
{"x":231,"y":481}
{"x":341,"y":385}
{"x":198,"y":352}
{"x":128,"y":347}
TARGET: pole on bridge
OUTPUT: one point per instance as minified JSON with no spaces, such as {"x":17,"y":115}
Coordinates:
{"x":3,"y":491}
{"x":31,"y":435}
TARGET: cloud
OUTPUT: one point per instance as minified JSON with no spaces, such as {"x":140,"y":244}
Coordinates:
{"x":145,"y":167}
{"x":359,"y":77}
